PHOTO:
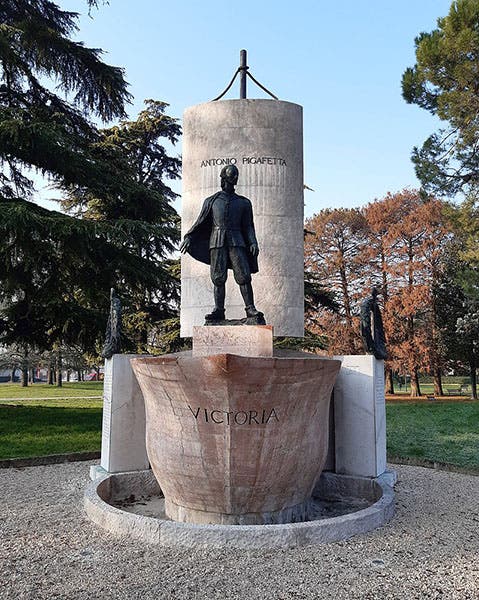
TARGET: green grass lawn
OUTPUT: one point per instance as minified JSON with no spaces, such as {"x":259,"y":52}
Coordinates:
{"x":41,"y":430}
{"x":437,"y":431}
{"x":43,"y":390}
{"x":38,"y":427}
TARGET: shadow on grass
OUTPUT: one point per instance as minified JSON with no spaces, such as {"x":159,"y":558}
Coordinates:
{"x":39,"y":431}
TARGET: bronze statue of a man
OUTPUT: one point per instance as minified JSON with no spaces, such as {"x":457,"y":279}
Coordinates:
{"x":113,"y":328}
{"x":223,"y":236}
{"x":374,"y":340}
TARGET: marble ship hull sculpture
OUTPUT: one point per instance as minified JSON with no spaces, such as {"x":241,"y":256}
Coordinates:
{"x":234,"y":439}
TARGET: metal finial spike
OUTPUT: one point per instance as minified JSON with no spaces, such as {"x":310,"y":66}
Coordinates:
{"x":243,"y":68}
{"x":244,"y":73}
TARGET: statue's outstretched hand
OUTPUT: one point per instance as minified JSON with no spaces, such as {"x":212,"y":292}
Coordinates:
{"x":185,"y":245}
{"x":254,"y":250}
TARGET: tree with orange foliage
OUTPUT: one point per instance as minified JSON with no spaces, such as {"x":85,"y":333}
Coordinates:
{"x":334,"y":241}
{"x":397,"y":244}
{"x":408,"y":242}
{"x":378,"y":257}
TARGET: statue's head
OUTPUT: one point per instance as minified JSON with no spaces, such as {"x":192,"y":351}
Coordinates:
{"x":229,"y":174}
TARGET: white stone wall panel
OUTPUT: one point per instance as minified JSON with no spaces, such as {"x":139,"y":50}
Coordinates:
{"x":360,"y":416}
{"x":123,"y":446}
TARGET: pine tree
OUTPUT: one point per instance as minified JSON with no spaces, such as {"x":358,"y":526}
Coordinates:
{"x":458,"y":290}
{"x":133,"y":190}
{"x":38,"y":128}
{"x":55,"y":269}
{"x":444,"y":81}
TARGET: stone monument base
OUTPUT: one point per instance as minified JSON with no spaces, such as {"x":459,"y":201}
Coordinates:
{"x":293,"y":514}
{"x":257,"y":320}
{"x":360,"y":417}
{"x":247,"y":340}
{"x":123,"y":445}
{"x":132,"y":505}
{"x":236,"y":438}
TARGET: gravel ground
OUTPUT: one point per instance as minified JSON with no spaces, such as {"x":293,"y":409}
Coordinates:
{"x":48,"y":549}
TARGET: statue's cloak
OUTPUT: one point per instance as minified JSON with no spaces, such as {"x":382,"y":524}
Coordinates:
{"x":373,"y":336}
{"x":200,"y":234}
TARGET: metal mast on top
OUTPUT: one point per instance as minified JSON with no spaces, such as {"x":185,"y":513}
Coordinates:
{"x":243,"y":70}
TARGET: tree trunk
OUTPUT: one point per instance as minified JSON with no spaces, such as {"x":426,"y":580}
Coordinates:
{"x":347,"y":307}
{"x":415,"y":387}
{"x":68,"y":374}
{"x":389,"y":388}
{"x":32,"y":375}
{"x":12,"y":374}
{"x":59,"y":369}
{"x":472,"y":366}
{"x":25,"y":369}
{"x":50,"y":374}
{"x":78,"y":374}
{"x":438,"y":391}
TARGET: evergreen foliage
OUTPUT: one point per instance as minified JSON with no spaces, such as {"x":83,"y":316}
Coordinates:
{"x":131,"y":188}
{"x":56,"y":270}
{"x":458,"y":290}
{"x":445,"y":81}
{"x":38,"y":128}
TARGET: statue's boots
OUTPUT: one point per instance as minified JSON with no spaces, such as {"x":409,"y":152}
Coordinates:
{"x":218,"y":314}
{"x":252,"y":312}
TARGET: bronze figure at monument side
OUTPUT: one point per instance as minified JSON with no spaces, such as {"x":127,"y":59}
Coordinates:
{"x":112,"y":343}
{"x":223,"y":236}
{"x":372,"y":334}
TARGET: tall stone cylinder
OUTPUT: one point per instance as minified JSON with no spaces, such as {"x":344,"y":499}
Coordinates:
{"x":264,"y":138}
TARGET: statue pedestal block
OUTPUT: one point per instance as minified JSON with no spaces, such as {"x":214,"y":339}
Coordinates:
{"x":123,"y":445}
{"x":242,"y":340}
{"x":360,"y":417}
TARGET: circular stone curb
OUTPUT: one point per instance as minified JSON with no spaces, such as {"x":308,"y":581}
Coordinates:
{"x":171,"y":533}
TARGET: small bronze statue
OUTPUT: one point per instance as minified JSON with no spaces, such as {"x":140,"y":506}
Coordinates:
{"x":113,"y":328}
{"x":223,"y":237}
{"x":373,"y":336}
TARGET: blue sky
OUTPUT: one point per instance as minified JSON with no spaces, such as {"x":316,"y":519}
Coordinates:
{"x":342,"y":61}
